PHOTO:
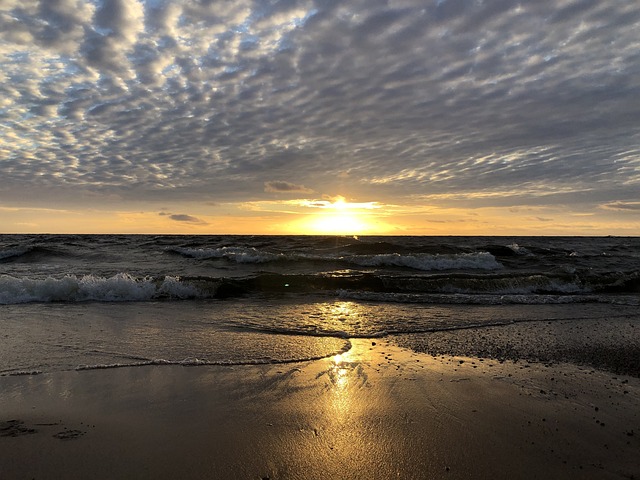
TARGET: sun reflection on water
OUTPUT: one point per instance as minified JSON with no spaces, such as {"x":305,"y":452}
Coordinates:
{"x":347,"y":378}
{"x":340,"y":371}
{"x":345,"y":372}
{"x":344,"y":316}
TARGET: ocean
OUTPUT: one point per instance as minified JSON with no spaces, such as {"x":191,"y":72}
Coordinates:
{"x":76,"y":302}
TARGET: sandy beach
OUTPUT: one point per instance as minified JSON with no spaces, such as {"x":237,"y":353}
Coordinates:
{"x":377,"y":411}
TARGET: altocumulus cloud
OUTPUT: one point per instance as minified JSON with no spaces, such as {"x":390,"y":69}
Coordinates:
{"x":418,"y":100}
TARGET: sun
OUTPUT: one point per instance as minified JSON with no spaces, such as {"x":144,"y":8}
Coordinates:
{"x":339,"y":217}
{"x":338,"y":223}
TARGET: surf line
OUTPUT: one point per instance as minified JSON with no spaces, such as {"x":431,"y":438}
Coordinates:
{"x":197,"y":362}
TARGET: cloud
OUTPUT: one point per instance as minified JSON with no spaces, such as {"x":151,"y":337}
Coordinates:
{"x":276,"y":186}
{"x":339,"y":203}
{"x":622,"y":206}
{"x":161,"y":101}
{"x":117,"y":25}
{"x":181,"y":217}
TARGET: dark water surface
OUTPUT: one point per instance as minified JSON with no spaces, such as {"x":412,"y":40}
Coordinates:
{"x":94,"y":301}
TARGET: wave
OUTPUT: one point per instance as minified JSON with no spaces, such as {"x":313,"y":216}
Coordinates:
{"x":71,"y":288}
{"x":13,"y":252}
{"x":436,"y":287}
{"x":235,"y":254}
{"x":419,"y":261}
{"x":427,"y":262}
{"x":495,"y":284}
{"x":373,"y":248}
{"x":27,"y":253}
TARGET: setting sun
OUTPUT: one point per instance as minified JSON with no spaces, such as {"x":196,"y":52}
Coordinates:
{"x":341,"y":223}
{"x":339,"y":217}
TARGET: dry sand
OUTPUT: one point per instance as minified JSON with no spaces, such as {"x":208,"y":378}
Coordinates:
{"x":378,"y":411}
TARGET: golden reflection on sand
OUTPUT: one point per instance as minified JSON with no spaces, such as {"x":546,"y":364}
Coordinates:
{"x":346,"y":369}
{"x":373,"y":412}
{"x":344,"y":374}
{"x":344,"y":409}
{"x":340,"y":370}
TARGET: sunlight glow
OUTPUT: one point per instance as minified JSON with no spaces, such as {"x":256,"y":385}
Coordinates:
{"x":338,"y":224}
{"x":338,"y":203}
{"x":339,"y":217}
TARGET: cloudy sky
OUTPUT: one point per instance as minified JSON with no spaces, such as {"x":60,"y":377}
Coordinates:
{"x":320,"y":116}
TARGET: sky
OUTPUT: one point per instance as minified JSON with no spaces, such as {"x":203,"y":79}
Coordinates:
{"x":393,"y":117}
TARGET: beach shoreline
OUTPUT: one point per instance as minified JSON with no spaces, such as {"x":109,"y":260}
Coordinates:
{"x":610,"y":344}
{"x":376,"y":411}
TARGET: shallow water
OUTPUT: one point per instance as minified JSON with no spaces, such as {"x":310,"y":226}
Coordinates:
{"x":52,"y":337}
{"x":77,"y":302}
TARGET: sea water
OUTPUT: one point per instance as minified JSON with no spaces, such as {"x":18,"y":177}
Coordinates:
{"x":103,"y":301}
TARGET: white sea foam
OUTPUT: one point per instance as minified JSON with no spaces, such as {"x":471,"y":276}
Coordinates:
{"x":518,"y":249}
{"x":197,"y":362}
{"x":70,"y":288}
{"x":176,"y":288}
{"x":21,"y":373}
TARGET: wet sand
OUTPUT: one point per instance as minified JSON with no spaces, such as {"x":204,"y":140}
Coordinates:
{"x":611,"y":343}
{"x":378,"y":411}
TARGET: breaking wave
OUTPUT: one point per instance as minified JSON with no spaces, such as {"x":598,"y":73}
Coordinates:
{"x":430,"y":288}
{"x":70,"y":288}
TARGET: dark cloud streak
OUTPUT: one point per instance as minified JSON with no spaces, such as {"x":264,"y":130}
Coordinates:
{"x":184,"y":218}
{"x":279,"y":186}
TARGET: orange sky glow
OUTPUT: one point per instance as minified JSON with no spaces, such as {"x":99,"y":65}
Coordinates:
{"x":330,"y":217}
